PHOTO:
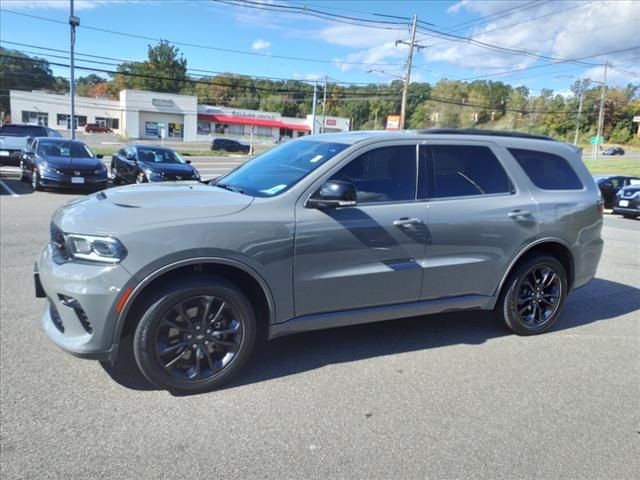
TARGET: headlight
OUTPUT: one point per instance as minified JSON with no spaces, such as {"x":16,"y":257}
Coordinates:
{"x":95,"y":249}
{"x":100,"y":170}
{"x":44,"y":168}
{"x":151,"y":174}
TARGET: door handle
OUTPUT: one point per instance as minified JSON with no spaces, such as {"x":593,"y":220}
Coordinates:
{"x":406,"y":222}
{"x":521,"y":214}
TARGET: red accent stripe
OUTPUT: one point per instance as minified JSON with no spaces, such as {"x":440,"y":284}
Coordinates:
{"x":260,"y":122}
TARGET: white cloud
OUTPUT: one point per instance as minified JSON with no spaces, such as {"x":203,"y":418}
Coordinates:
{"x":311,"y":77}
{"x":568,"y":30}
{"x":260,"y":44}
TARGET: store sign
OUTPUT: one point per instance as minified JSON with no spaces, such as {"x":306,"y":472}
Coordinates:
{"x":330,"y":121}
{"x":242,"y":113}
{"x":163,"y":102}
{"x":636,"y":118}
{"x":393,"y":122}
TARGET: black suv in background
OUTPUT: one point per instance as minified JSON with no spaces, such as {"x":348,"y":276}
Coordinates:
{"x":229,"y":145}
{"x":613,"y":151}
{"x":610,"y":185}
{"x":627,"y":201}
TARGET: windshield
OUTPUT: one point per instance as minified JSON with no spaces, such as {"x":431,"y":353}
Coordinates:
{"x":63,"y":149}
{"x":23,"y":131}
{"x":279,"y":169}
{"x":158,"y":155}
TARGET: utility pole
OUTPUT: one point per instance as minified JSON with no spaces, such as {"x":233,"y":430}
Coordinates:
{"x":601,"y":114}
{"x":324,"y":103}
{"x":407,"y":77}
{"x":313,"y":110}
{"x":582,"y":89}
{"x":73,"y":23}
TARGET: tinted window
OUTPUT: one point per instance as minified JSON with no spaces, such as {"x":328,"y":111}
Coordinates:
{"x":459,"y":170}
{"x":383,"y":175}
{"x":546,"y":170}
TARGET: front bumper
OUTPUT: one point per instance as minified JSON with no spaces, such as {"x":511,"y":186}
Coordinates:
{"x":79,"y":313}
{"x":55,"y":180}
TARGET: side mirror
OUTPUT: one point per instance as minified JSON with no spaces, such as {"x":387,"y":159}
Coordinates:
{"x":188,"y":162}
{"x":131,"y":157}
{"x":333,"y":194}
{"x":100,"y":156}
{"x":607,"y":185}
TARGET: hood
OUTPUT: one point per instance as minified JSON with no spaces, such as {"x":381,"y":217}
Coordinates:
{"x":67,"y":162}
{"x":127,"y":209}
{"x":168,"y":168}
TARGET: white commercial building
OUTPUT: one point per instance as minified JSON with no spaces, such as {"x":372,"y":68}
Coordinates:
{"x":152,"y":115}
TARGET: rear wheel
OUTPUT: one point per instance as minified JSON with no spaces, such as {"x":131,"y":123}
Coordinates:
{"x":195,"y":336}
{"x":533,"y":295}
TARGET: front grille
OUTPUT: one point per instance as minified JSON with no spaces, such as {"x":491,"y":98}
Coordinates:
{"x":75,"y":172}
{"x":58,"y":241}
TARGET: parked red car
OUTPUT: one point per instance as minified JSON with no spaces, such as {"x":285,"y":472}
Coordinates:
{"x":96,"y":128}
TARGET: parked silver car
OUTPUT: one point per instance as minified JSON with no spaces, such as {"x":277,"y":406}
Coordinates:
{"x":324,"y":231}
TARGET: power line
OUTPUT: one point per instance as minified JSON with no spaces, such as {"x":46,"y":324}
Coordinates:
{"x":195,"y":45}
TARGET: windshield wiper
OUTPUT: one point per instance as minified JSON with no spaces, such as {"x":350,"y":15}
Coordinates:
{"x":226,"y":186}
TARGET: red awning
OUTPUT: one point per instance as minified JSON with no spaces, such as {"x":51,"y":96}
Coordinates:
{"x":259,"y":122}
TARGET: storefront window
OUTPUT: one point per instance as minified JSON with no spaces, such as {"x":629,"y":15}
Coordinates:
{"x":35,"y":118}
{"x":108,"y":122}
{"x":62,"y":120}
{"x":151,"y":129}
{"x":204,"y":128}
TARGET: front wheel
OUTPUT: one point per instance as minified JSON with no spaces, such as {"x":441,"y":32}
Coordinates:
{"x":195,"y":336}
{"x":23,"y":173}
{"x":35,"y":180}
{"x":533,"y":295}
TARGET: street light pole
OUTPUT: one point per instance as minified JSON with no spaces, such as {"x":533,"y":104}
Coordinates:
{"x":601,"y":114}
{"x":73,"y":23}
{"x":324,"y":103}
{"x":313,"y":108}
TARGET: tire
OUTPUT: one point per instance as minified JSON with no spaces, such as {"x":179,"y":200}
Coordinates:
{"x":23,"y":175}
{"x":141,"y":178}
{"x":194,"y":361}
{"x":525,"y":309}
{"x":35,"y":180}
{"x":115,"y":179}
{"x":626,"y":215}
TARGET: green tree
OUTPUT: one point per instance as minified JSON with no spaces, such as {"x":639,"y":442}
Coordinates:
{"x":22,"y":72}
{"x":164,"y":71}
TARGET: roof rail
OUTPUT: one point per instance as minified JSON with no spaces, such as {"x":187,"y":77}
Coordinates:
{"x":490,"y":133}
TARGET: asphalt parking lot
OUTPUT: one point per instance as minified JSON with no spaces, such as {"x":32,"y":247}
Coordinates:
{"x":448,"y":396}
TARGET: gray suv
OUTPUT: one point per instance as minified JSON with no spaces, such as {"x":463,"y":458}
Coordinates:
{"x":320,"y":232}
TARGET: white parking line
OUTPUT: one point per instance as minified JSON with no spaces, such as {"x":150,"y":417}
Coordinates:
{"x":8,"y":189}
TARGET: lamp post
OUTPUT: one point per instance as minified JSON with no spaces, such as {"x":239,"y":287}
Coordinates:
{"x":583,"y":87}
{"x":73,"y":23}
{"x":404,"y":97}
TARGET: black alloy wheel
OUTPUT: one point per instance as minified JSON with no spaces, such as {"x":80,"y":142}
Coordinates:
{"x":533,"y":295}
{"x":115,"y":178}
{"x":23,"y":173}
{"x":195,"y":336}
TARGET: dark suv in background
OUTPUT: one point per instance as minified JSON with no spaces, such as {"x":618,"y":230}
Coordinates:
{"x":320,"y":232}
{"x":229,"y":145}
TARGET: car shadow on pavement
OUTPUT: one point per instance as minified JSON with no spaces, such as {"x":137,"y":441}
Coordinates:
{"x":15,"y":185}
{"x":600,"y":300}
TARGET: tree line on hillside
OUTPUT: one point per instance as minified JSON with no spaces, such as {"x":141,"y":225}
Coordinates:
{"x":448,"y":103}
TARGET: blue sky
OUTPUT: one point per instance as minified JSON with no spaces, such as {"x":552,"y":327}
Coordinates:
{"x":557,"y":29}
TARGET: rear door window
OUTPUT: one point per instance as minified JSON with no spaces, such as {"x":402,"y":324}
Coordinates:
{"x":546,"y":170}
{"x":460,"y":171}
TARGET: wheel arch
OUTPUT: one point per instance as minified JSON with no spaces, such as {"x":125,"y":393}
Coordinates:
{"x":241,"y":275}
{"x":555,"y":247}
